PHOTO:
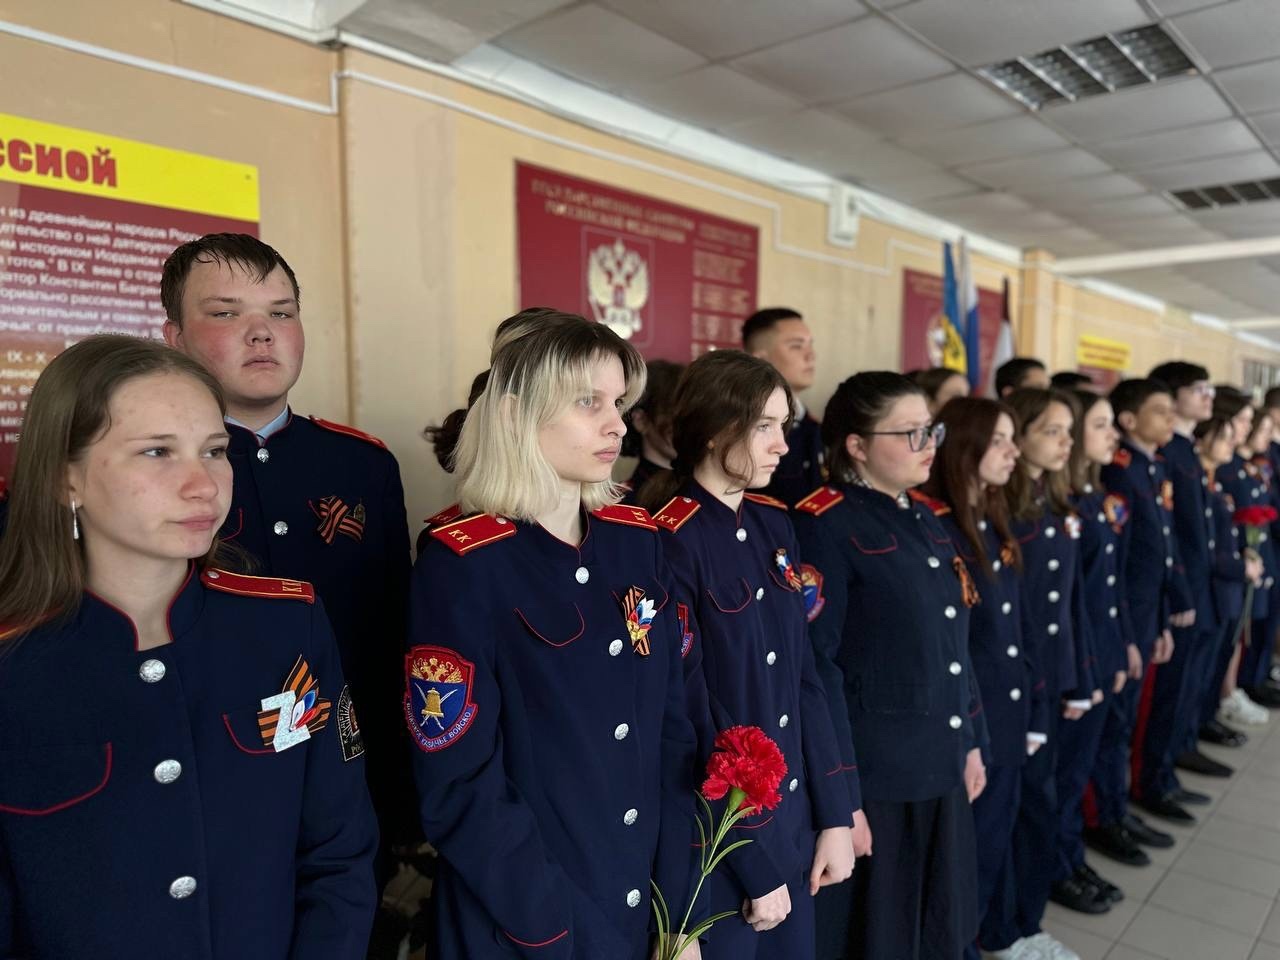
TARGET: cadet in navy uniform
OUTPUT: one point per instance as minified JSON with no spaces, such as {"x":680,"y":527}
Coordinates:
{"x":313,"y":500}
{"x":1179,"y":684}
{"x":940,"y":385}
{"x":1057,"y":638}
{"x":780,"y":335}
{"x":739,"y":587}
{"x":649,"y":425}
{"x":1144,"y":414}
{"x":1103,"y":516}
{"x":542,"y":633}
{"x":199,"y":793}
{"x":968,"y":479}
{"x":892,"y":642}
{"x":1255,"y":663}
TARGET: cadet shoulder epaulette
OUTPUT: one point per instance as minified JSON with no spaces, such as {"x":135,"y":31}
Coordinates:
{"x":463,"y":536}
{"x":767,"y":501}
{"x":820,"y":501}
{"x":937,"y":507}
{"x":447,"y":515}
{"x":676,"y":513}
{"x":627,"y":515}
{"x":246,"y":586}
{"x":349,"y":431}
{"x":1122,"y":458}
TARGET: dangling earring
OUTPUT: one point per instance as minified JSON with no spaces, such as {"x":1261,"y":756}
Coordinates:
{"x":75,"y":521}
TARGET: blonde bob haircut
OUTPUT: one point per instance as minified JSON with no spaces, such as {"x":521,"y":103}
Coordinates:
{"x":541,"y":363}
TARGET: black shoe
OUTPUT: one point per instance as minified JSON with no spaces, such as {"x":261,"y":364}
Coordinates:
{"x":1194,"y":797}
{"x":1222,"y":735}
{"x":1167,"y":808}
{"x":1146,"y":834}
{"x":1264,"y":696}
{"x":1078,"y":895}
{"x":1193,"y":761}
{"x":1116,"y":842}
{"x":1107,"y":890}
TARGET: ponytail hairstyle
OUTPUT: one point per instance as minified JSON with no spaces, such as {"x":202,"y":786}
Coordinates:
{"x":444,"y":437}
{"x":656,"y":403}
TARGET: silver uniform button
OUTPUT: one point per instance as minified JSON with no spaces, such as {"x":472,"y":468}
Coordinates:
{"x":1102,"y":518}
{"x":1165,"y":531}
{"x":1006,"y":607}
{"x":1110,"y":548}
{"x":1212,"y":544}
{"x":955,"y":723}
{"x":212,"y":574}
{"x":1051,"y":532}
{"x":1054,"y":564}
{"x":1054,"y":596}
{"x":982,"y":525}
{"x":630,"y":816}
{"x":615,"y":648}
{"x":1240,"y":474}
{"x":1168,"y":561}
{"x":1111,"y":580}
{"x":771,"y":658}
{"x":1112,"y":613}
{"x":182,"y":888}
{"x":949,"y":613}
{"x":995,"y":566}
{"x":1263,"y":537}
{"x":1152,"y":470}
{"x":167,"y":771}
{"x":760,"y":593}
{"x":794,"y":785}
{"x":151,"y":671}
{"x":935,"y":562}
{"x":1012,"y":651}
{"x":582,"y":574}
{"x":1053,"y":629}
{"x":1253,"y":492}
{"x":280,"y":528}
{"x":620,"y":731}
{"x":741,"y":535}
{"x":263,"y":456}
{"x":633,"y":898}
{"x":1208,"y":511}
{"x":1015,"y":694}
{"x":783,"y":720}
{"x":1269,"y":582}
{"x":955,"y":668}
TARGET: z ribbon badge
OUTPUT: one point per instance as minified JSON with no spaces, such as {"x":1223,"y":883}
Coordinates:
{"x":336,"y":517}
{"x":294,"y":714}
{"x":437,"y":696}
{"x":639,"y":613}
{"x":786,"y":568}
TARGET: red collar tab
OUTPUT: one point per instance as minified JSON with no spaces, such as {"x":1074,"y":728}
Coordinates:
{"x":463,"y":536}
{"x":937,"y":507}
{"x":1122,"y":458}
{"x":627,"y":515}
{"x":767,"y":501}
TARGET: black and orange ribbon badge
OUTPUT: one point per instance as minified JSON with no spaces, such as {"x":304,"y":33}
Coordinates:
{"x":336,"y":517}
{"x":968,"y":591}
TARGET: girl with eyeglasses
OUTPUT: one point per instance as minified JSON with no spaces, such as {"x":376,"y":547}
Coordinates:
{"x":968,"y":482}
{"x":891,"y":636}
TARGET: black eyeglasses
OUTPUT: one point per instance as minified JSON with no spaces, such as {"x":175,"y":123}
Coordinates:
{"x":918,"y":438}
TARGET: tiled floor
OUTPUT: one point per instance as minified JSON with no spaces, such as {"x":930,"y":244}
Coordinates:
{"x":1214,"y":896}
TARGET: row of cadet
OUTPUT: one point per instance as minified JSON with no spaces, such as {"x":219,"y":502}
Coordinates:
{"x":948,"y":642}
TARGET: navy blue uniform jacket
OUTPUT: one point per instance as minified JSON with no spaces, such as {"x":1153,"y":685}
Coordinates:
{"x":555,"y":762}
{"x":1104,"y":517}
{"x":145,"y":810}
{"x":1192,"y":519}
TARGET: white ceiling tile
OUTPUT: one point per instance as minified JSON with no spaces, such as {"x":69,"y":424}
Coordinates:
{"x":440,"y":29}
{"x":1160,"y":106}
{"x":1171,"y":8}
{"x":1258,"y":165}
{"x":1191,"y":143}
{"x":1079,"y":242}
{"x":804,"y":136}
{"x":985,"y":206}
{"x":1010,"y":137}
{"x":1101,"y":214}
{"x":1255,"y":87}
{"x":713,"y":97}
{"x":726,"y":28}
{"x":989,"y":31}
{"x":879,"y":160}
{"x":599,"y":47}
{"x":951,"y":101}
{"x":1052,"y":166}
{"x":861,"y":57}
{"x":1269,"y":126}
{"x":930,"y":186}
{"x":1082,"y":191}
{"x":1151,"y":232}
{"x":1239,"y":32}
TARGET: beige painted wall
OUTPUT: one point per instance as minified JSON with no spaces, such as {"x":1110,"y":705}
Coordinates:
{"x":399,"y":214}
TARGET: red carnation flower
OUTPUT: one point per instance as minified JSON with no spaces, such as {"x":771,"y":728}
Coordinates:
{"x":1255,"y":516}
{"x":746,"y":759}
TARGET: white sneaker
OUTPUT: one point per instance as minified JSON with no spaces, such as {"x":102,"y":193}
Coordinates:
{"x":1052,"y":948}
{"x":1024,"y":949}
{"x":1257,"y":709}
{"x":1239,"y":709}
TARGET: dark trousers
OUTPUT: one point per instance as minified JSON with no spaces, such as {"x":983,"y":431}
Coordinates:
{"x":1255,"y":664}
{"x":995,"y":813}
{"x":1110,"y":793}
{"x":733,"y":939}
{"x":1036,"y":832}
{"x":1200,"y":674}
{"x":1163,"y":713}
{"x":1224,"y":648}
{"x":1078,"y":743}
{"x":915,"y":897}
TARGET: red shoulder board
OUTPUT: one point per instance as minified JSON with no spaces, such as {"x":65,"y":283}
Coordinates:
{"x":246,"y":586}
{"x":349,"y":431}
{"x":447,"y":515}
{"x":463,"y":536}
{"x":938,"y":508}
{"x":677,"y":513}
{"x":820,"y":501}
{"x":767,"y":501}
{"x":1122,"y":457}
{"x":625,"y":514}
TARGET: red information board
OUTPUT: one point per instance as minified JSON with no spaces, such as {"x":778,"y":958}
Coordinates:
{"x":922,"y":314}
{"x":674,"y":281}
{"x":86,"y":223}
